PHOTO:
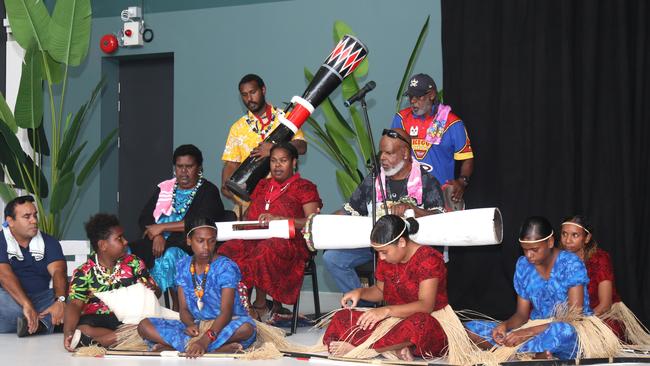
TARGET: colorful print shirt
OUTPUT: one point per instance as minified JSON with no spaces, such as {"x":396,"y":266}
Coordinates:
{"x":87,"y":280}
{"x":437,"y":153}
{"x":246,"y":133}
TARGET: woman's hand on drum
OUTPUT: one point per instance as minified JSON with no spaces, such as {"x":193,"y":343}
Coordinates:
{"x":499,"y":333}
{"x":370,"y":318}
{"x":151,"y":231}
{"x":352,"y":296}
{"x":266,"y":217}
{"x":159,"y":244}
{"x":399,"y":209}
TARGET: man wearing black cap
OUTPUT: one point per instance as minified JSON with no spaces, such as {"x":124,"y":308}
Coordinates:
{"x":438,"y":136}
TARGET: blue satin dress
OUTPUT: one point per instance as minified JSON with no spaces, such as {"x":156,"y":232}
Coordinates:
{"x":559,"y":338}
{"x":223,"y":273}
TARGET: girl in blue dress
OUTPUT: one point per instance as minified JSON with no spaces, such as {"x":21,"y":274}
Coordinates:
{"x":545,"y":277}
{"x":207,"y":291}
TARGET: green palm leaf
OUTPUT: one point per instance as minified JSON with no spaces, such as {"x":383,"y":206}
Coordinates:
{"x":349,"y":87}
{"x":348,"y":153}
{"x":72,"y":129}
{"x":7,"y":116}
{"x":31,"y":177}
{"x":70,"y":31}
{"x":29,"y":103}
{"x":38,"y":140}
{"x":362,"y":134}
{"x":324,"y":142}
{"x":56,"y":68}
{"x":94,"y":158}
{"x":29,"y":21}
{"x":72,"y":160}
{"x":7,"y":193}
{"x":61,"y":192}
{"x":346,"y":183}
{"x":9,"y":141}
{"x":410,"y":63}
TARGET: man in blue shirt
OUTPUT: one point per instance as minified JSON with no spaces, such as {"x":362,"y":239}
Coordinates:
{"x":438,"y":136}
{"x":29,"y":259}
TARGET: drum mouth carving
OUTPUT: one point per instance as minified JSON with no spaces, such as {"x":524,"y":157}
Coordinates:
{"x":239,"y":190}
{"x":498,"y":226}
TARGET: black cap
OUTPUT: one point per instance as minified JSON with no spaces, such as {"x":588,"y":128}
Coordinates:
{"x":420,"y":84}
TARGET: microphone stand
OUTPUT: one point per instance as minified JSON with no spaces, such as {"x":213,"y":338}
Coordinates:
{"x":374,"y":173}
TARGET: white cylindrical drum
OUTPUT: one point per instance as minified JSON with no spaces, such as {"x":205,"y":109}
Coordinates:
{"x":338,"y":232}
{"x":481,"y":226}
{"x":253,"y":230}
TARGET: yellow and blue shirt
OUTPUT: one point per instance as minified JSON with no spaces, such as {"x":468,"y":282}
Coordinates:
{"x":436,"y":158}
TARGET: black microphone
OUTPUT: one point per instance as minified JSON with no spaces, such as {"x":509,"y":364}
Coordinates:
{"x":360,"y":94}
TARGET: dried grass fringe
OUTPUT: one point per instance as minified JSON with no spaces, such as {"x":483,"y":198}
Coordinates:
{"x":267,"y":344}
{"x":635,"y":332}
{"x":595,"y":339}
{"x":90,"y":351}
{"x":460,"y":349}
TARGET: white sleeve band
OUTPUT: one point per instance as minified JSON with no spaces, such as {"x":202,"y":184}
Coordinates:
{"x":287,"y":123}
{"x":303,"y":102}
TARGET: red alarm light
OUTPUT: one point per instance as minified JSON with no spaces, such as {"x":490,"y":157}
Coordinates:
{"x":108,"y":43}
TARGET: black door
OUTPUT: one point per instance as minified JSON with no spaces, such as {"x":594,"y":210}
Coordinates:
{"x":146,"y":121}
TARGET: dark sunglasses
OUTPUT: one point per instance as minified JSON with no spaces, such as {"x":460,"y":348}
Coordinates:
{"x":394,"y":135}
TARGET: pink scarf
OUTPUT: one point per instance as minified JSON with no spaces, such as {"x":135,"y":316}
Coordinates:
{"x":164,"y":203}
{"x":413,"y":186}
{"x":437,"y":128}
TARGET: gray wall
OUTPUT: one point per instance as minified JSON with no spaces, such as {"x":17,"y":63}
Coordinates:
{"x":216,"y":45}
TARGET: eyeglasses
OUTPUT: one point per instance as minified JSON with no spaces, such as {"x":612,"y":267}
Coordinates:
{"x":394,"y":135}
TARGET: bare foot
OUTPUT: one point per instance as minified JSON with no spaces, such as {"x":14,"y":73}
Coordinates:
{"x":260,"y":313}
{"x":546,"y":355}
{"x":229,"y":348}
{"x":340,"y":348}
{"x":405,"y":354}
{"x":159,"y":347}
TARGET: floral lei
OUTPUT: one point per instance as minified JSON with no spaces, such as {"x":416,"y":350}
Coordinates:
{"x":105,"y":279}
{"x":182,"y":210}
{"x":252,"y":122}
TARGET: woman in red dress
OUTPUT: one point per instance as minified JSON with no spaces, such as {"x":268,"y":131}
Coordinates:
{"x":577,"y":237}
{"x":412,"y":280}
{"x":276,"y":266}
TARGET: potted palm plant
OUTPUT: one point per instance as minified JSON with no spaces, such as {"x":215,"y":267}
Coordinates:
{"x":53,"y":43}
{"x":334,"y":135}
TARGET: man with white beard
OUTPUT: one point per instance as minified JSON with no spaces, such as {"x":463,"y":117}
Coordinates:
{"x":407,"y":186}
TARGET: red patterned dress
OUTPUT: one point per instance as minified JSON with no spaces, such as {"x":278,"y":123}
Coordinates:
{"x":275,"y":265}
{"x":599,"y":269}
{"x":401,"y":286}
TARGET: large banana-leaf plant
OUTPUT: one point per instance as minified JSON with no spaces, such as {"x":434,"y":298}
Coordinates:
{"x":52,"y":44}
{"x":334,"y":136}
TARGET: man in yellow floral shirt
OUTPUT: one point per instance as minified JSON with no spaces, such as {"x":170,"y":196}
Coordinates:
{"x":248,"y":133}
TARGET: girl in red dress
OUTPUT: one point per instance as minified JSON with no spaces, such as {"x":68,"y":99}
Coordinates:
{"x":577,"y":237}
{"x":276,"y":266}
{"x":412,"y":280}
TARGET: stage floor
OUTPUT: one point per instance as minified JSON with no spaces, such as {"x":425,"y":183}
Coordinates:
{"x":48,"y":350}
